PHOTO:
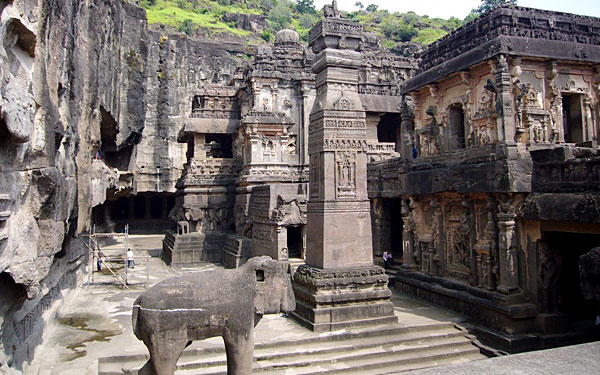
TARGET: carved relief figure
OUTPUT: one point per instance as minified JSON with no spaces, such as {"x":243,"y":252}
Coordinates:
{"x":458,"y":244}
{"x":548,"y":272}
{"x":346,"y":173}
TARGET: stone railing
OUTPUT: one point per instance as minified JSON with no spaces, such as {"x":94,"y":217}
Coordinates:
{"x":377,"y":151}
{"x":215,"y":171}
{"x":556,"y":171}
{"x":215,"y":114}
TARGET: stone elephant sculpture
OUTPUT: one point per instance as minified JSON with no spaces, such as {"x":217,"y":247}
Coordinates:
{"x":194,"y":306}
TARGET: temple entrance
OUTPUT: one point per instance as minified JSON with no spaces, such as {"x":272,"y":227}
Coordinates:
{"x":145,"y":213}
{"x":565,"y":250}
{"x":393,"y":214}
{"x":387,"y":128}
{"x":457,"y":127}
{"x":572,"y":119}
{"x":294,"y":242}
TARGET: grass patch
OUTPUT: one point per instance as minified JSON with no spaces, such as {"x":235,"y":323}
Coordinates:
{"x":429,"y":35}
{"x":201,"y":14}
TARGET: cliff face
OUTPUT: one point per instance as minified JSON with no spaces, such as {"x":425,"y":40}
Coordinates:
{"x":76,"y":77}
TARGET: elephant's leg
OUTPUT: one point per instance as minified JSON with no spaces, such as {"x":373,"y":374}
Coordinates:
{"x":165,"y":349}
{"x":239,"y":346}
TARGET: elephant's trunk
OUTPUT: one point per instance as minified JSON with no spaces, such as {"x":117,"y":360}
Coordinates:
{"x":134,"y":320}
{"x":289,"y":301}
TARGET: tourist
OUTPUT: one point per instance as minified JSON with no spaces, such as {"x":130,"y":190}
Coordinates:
{"x":388,"y":260}
{"x":130,"y":262}
{"x":99,"y":260}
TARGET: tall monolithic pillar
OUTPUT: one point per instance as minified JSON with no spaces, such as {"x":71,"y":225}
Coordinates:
{"x":339,"y":286}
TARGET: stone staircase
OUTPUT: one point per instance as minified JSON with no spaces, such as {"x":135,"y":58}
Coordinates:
{"x":378,"y":350}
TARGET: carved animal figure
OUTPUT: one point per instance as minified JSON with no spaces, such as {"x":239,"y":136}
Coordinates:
{"x":228,"y":303}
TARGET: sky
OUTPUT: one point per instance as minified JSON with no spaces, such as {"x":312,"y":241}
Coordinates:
{"x":461,"y":8}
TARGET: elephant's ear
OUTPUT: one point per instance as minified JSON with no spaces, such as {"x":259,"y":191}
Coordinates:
{"x":259,"y":301}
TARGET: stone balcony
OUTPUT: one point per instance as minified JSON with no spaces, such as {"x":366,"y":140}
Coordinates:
{"x":210,"y":171}
{"x":490,"y":168}
{"x":377,"y":151}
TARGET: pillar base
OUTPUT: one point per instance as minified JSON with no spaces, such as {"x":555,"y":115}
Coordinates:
{"x":331,"y":299}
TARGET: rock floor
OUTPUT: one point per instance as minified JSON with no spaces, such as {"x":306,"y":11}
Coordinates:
{"x":95,"y":322}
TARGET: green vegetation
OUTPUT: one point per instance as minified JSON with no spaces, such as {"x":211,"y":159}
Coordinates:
{"x":486,"y":6}
{"x":394,"y":29}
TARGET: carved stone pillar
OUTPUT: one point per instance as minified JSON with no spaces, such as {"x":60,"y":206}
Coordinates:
{"x":406,"y":129}
{"x":339,"y":286}
{"x":408,"y":238}
{"x":507,"y":251}
{"x":436,"y":233}
{"x":504,"y":106}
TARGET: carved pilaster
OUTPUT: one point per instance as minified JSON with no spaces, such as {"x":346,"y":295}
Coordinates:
{"x":408,"y":236}
{"x":556,"y":119}
{"x":407,"y":129}
{"x":507,"y":250}
{"x":436,"y":225}
{"x":504,"y":106}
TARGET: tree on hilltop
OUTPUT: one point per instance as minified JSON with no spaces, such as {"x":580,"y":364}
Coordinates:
{"x":487,"y":5}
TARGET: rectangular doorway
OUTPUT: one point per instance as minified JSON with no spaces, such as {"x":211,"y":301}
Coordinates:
{"x":294,"y":242}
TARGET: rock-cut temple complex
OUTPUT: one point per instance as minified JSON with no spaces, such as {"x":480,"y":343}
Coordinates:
{"x":476,"y":163}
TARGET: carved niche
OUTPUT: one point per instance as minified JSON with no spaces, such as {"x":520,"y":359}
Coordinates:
{"x":345,"y":174}
{"x":290,"y":210}
{"x":486,"y":247}
{"x":458,"y":249}
{"x":484,"y":120}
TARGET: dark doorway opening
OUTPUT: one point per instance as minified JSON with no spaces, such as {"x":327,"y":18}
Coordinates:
{"x":572,"y":118}
{"x":387,"y":128}
{"x":393,"y":207}
{"x":294,"y":242}
{"x":145,"y":213}
{"x":568,"y":247}
{"x":219,"y":146}
{"x":457,"y":127}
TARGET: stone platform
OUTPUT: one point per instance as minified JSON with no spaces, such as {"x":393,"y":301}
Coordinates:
{"x":328,"y":300}
{"x":193,"y":247}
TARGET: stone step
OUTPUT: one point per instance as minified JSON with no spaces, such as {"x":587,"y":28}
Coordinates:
{"x":360,"y":348}
{"x":302,"y":355}
{"x":311,"y":348}
{"x":358,"y":360}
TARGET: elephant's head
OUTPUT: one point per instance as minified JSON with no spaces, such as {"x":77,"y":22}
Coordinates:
{"x":274,"y":291}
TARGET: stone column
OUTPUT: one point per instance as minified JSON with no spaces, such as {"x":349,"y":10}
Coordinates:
{"x":406,"y":130}
{"x":506,"y":121}
{"x":408,"y":239}
{"x":339,"y":286}
{"x":507,"y":251}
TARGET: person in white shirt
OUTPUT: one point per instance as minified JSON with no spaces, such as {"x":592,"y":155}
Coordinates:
{"x":130,"y":262}
{"x":388,"y":260}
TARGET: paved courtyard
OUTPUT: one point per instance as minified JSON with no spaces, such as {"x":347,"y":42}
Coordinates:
{"x":95,"y":322}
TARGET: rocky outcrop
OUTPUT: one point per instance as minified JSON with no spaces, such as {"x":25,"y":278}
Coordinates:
{"x":251,"y":22}
{"x":88,"y":94}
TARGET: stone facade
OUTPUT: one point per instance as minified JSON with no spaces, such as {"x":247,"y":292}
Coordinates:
{"x":496,"y":176}
{"x":260,"y":120}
